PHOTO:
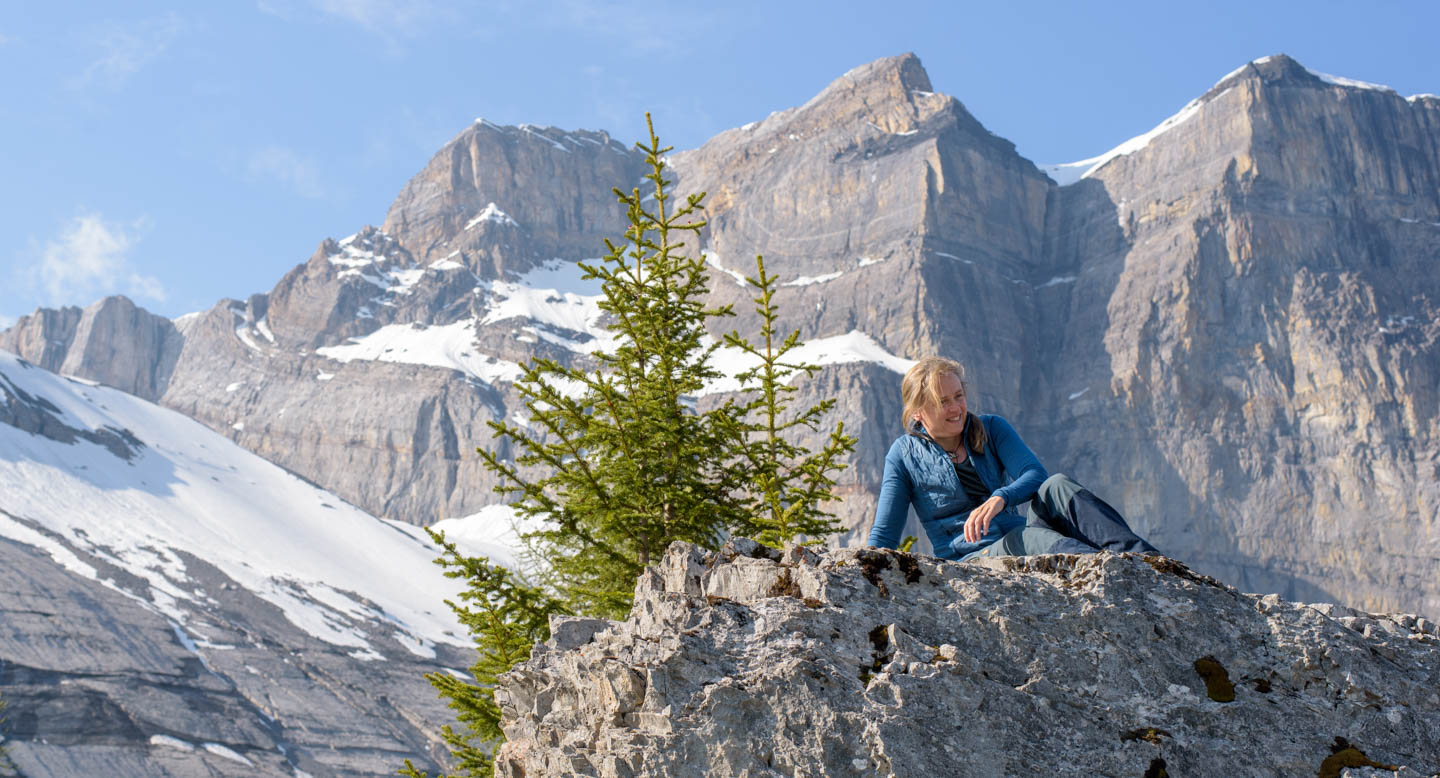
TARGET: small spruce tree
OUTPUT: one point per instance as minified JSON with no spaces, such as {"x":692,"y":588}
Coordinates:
{"x":627,"y":461}
{"x":788,"y":483}
{"x":628,"y":464}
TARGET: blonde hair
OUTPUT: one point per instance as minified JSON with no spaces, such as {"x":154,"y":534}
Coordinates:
{"x":920,"y":387}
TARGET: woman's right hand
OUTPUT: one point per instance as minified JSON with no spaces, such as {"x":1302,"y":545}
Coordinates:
{"x":979,"y":522}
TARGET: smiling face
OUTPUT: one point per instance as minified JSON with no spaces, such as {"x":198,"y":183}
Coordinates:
{"x":945,"y":421}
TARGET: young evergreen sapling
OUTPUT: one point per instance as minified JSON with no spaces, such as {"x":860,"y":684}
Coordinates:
{"x":628,"y":464}
{"x":506,"y":617}
{"x":616,"y":463}
{"x":787,"y":482}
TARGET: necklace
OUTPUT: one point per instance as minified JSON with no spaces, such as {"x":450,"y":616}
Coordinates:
{"x":957,"y":456}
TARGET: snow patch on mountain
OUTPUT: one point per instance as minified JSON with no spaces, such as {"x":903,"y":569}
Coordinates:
{"x":375,"y":257}
{"x":490,"y":213}
{"x":808,"y":280}
{"x":713,"y":260}
{"x":1350,"y":82}
{"x":449,"y":346}
{"x":493,"y":532}
{"x":556,"y":296}
{"x":853,"y":346}
{"x":556,"y":303}
{"x":331,"y":569}
{"x":1070,"y":172}
{"x":555,"y":300}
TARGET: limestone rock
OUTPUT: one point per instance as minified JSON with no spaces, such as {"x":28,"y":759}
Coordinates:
{"x":546,"y":187}
{"x":1245,"y":347}
{"x":859,"y":662}
{"x":876,"y":202}
{"x":113,"y":341}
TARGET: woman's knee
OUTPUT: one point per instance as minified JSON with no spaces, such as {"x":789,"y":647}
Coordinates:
{"x":1059,"y":486}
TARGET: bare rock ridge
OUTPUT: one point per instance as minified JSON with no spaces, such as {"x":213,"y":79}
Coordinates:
{"x":491,"y":175}
{"x":112,"y":341}
{"x":858,"y":662}
{"x":1228,"y":326}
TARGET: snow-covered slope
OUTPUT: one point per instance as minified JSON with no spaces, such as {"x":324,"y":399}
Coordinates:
{"x":557,"y":304}
{"x":90,"y":469}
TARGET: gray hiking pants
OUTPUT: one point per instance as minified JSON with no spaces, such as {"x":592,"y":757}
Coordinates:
{"x":1066,"y":518}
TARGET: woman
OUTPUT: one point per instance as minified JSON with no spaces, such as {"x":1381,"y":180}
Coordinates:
{"x":966,"y":475}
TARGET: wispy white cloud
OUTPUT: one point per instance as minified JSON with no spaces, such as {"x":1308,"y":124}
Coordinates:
{"x":291,"y":169}
{"x":89,"y":258}
{"x":146,"y":287}
{"x":123,"y":49}
{"x":6,"y":321}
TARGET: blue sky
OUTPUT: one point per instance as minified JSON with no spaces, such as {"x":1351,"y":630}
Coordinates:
{"x":181,"y":152}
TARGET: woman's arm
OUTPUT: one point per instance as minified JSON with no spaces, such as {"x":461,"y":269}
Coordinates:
{"x":1018,"y":460}
{"x":894,"y":502}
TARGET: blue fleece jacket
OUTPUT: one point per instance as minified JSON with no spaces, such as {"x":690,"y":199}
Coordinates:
{"x":918,"y":472}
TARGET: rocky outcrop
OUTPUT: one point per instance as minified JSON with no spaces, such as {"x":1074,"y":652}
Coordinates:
{"x":860,"y":662}
{"x":113,"y":342}
{"x":507,"y":197}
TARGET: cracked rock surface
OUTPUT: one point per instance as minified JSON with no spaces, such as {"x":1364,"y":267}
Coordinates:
{"x":861,"y":662}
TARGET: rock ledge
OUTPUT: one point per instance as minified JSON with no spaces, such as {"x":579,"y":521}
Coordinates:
{"x":757,"y":662}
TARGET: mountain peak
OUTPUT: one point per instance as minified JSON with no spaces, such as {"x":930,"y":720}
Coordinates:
{"x":1282,"y":68}
{"x":888,"y":80}
{"x":522,"y":171}
{"x":902,"y":69}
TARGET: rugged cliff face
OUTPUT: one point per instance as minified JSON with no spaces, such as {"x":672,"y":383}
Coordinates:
{"x":1251,"y":356}
{"x":553,"y":187}
{"x":876,"y":201}
{"x":1227,"y":327}
{"x":113,"y":341}
{"x":887,"y":210}
{"x":861,"y":662}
